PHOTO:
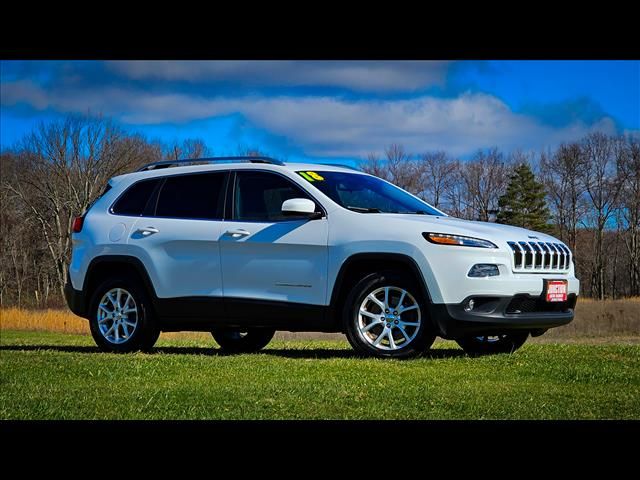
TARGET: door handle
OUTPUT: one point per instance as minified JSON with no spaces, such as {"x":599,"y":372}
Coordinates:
{"x":146,"y":231}
{"x":240,"y":232}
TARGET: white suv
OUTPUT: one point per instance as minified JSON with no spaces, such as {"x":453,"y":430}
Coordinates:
{"x":245,"y":246}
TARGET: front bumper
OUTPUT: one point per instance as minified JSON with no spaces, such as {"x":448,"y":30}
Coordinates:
{"x":494,"y":315}
{"x":75,"y":300}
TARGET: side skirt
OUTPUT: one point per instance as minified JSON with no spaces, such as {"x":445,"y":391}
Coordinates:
{"x":205,"y":313}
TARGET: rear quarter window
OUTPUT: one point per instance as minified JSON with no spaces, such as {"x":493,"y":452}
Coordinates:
{"x":134,"y":200}
{"x":95,"y":200}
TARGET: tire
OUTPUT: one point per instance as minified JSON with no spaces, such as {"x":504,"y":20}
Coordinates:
{"x":492,"y":344}
{"x":364,"y":331}
{"x":123,"y":337}
{"x":150,"y":340}
{"x":243,"y":340}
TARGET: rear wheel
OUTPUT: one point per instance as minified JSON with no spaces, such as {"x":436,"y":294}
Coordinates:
{"x":490,"y":344}
{"x":243,"y":340}
{"x":386,"y":316}
{"x":121,"y":320}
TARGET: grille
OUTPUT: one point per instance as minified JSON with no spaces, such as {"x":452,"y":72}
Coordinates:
{"x":540,"y":257}
{"x":527,"y":304}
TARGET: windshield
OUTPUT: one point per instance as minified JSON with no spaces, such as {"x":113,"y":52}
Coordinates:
{"x":366,"y":194}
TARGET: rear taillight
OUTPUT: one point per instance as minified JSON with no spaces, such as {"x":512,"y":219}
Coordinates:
{"x":76,"y":227}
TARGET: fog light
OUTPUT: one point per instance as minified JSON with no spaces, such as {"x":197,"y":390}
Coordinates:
{"x":469,"y":306}
{"x":484,"y":270}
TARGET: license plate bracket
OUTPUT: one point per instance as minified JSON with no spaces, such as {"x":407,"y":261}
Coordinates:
{"x":556,"y":290}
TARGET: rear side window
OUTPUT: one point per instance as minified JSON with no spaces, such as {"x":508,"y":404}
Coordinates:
{"x":196,"y":196}
{"x":133,"y":201}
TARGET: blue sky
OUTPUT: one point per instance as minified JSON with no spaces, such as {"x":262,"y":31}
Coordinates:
{"x":332,"y":110}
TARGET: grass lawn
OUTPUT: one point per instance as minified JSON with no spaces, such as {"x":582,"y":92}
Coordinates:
{"x":62,"y":376}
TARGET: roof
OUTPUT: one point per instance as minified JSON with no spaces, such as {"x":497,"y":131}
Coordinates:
{"x":240,"y":165}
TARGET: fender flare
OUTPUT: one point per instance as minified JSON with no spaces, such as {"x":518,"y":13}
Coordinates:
{"x":135,"y":262}
{"x":370,"y":256}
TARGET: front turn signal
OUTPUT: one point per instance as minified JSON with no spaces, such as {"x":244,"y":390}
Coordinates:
{"x":459,"y":240}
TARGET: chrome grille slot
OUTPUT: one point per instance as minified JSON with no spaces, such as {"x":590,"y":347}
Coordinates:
{"x":546,"y":255}
{"x":517,"y":254}
{"x":561,"y":255}
{"x":537,"y":255}
{"x":540,"y":257}
{"x":528,"y":255}
{"x":568,"y":263}
{"x":556,"y":256}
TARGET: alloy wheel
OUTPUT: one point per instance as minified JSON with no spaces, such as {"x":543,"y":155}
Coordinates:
{"x":389,"y":318}
{"x":117,"y":316}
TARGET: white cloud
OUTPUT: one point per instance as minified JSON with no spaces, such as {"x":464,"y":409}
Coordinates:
{"x":327,"y":126}
{"x":362,"y":75}
{"x":24,"y":91}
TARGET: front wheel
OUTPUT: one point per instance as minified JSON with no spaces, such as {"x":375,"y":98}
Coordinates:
{"x":490,"y":344}
{"x":242,"y":340}
{"x":385,"y":316}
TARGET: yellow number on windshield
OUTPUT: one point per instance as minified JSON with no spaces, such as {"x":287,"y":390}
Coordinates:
{"x":315,"y":176}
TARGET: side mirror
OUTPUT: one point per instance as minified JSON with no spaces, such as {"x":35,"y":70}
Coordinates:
{"x":300,"y":207}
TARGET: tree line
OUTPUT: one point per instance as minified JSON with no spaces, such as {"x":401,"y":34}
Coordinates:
{"x":587,"y":191}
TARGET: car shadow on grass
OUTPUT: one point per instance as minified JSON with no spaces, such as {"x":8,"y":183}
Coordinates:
{"x":91,"y":349}
{"x":327,"y":353}
{"x":306,"y":353}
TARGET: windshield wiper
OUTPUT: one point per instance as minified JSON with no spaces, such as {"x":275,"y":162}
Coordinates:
{"x":363,"y":210}
{"x":417,"y":212}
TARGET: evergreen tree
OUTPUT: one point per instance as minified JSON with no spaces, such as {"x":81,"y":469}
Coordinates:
{"x":523,"y":204}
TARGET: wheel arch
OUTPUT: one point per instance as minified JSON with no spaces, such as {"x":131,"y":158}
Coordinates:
{"x":104,"y":266}
{"x":358,"y":265}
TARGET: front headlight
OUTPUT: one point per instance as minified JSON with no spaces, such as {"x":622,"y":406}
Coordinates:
{"x":447,"y":239}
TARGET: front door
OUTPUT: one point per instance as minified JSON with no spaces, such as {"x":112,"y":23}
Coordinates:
{"x":267,"y":256}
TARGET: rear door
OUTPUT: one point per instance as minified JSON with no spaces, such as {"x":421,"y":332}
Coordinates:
{"x":265,"y":255}
{"x":177,"y":236}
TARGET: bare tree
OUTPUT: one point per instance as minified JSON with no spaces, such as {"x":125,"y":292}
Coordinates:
{"x":250,"y":151}
{"x":20,"y":263}
{"x":560,"y":172}
{"x":456,"y":193}
{"x":63,"y":166}
{"x":628,"y":154}
{"x":436,"y":172}
{"x":397,"y":167}
{"x":402,"y":169}
{"x":602,"y":185}
{"x":374,"y":165}
{"x":189,"y":148}
{"x":485,"y":179}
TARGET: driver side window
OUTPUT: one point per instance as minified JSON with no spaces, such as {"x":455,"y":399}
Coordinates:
{"x":258,"y":196}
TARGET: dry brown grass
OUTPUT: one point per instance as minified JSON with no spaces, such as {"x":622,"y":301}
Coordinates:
{"x":60,"y":321}
{"x":608,"y":318}
{"x":46,"y":320}
{"x":602,"y":318}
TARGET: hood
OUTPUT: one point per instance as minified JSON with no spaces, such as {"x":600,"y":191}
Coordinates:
{"x":485,"y":230}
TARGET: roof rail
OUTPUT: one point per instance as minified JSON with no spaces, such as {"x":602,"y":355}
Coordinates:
{"x":340,"y":165}
{"x":190,"y":161}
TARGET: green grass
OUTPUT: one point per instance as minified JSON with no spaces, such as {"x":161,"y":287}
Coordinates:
{"x":61,"y":376}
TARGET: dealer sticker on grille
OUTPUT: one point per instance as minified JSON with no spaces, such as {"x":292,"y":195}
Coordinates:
{"x":557,"y":291}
